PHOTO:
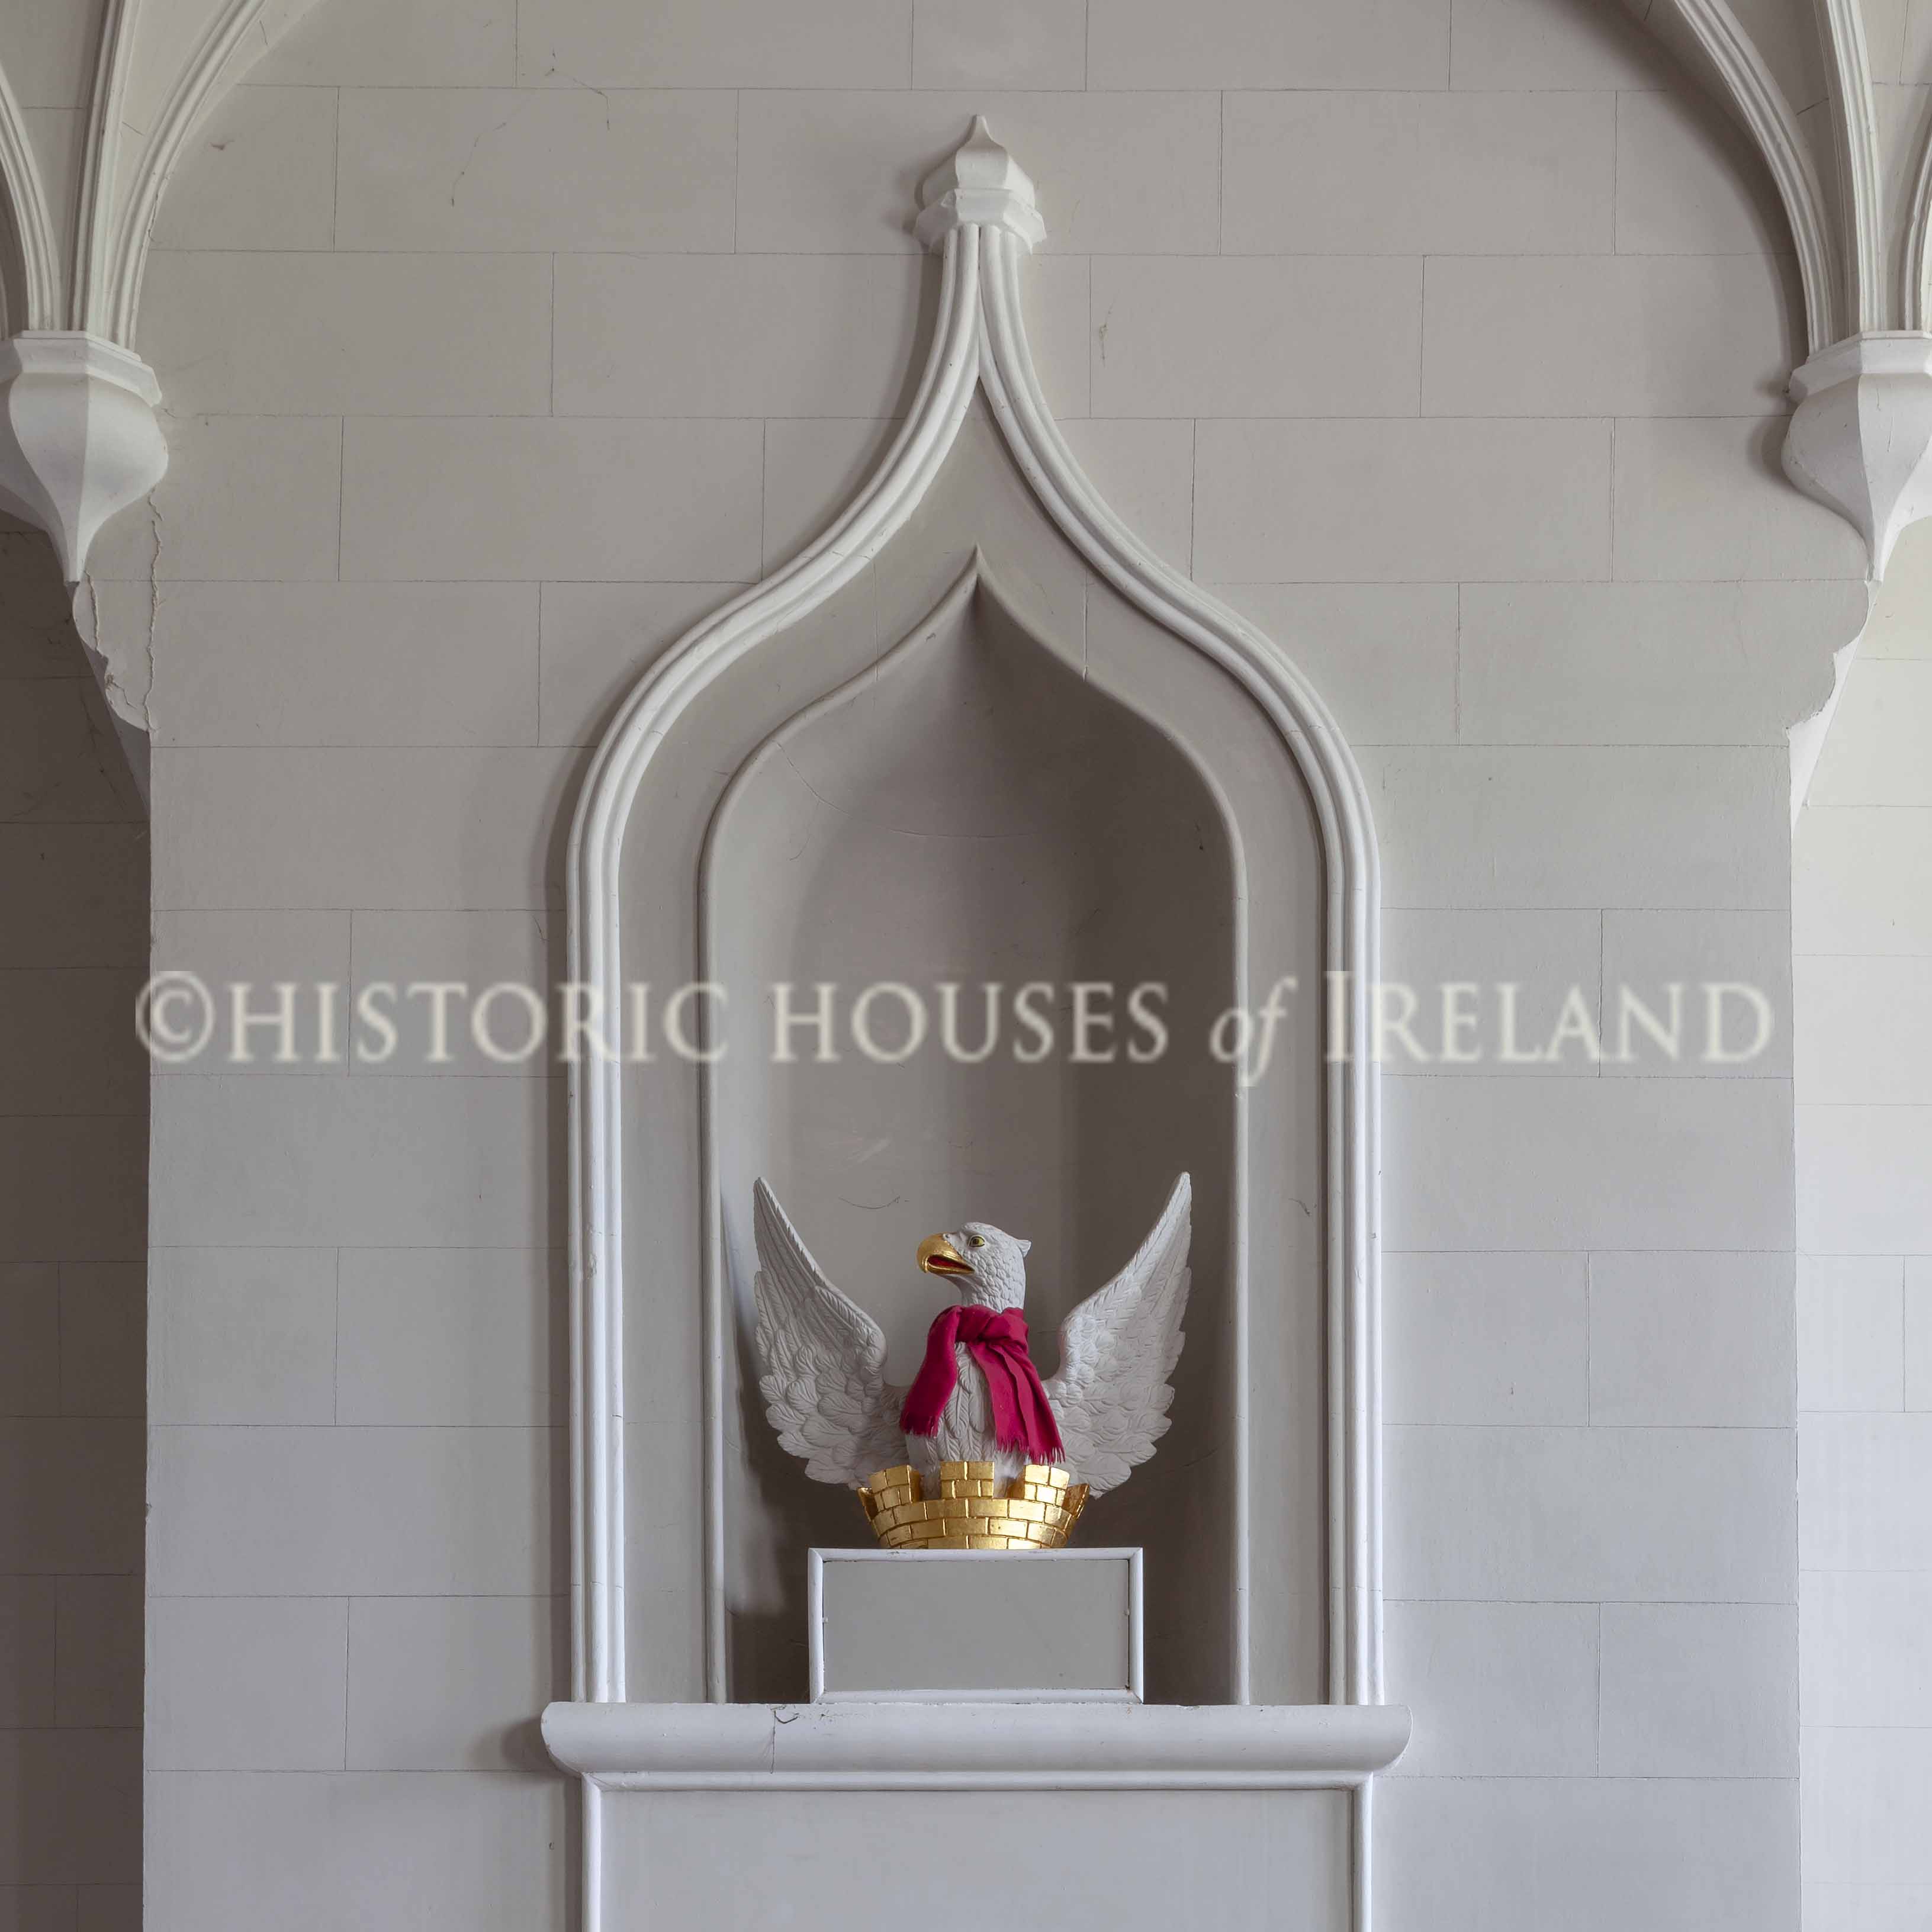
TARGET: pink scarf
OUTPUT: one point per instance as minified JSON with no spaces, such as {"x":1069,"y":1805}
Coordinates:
{"x":1022,"y":1418}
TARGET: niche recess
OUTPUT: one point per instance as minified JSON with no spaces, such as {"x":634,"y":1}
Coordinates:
{"x":972,"y":811}
{"x":977,"y":733}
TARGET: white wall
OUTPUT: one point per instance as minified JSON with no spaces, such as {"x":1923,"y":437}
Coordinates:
{"x":1862,"y":937}
{"x":73,"y":1144}
{"x":498,"y":343}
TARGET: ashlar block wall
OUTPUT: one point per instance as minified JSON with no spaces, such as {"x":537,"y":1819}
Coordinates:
{"x":499,"y":342}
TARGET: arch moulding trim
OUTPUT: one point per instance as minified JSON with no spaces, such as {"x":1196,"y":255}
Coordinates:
{"x":980,"y":215}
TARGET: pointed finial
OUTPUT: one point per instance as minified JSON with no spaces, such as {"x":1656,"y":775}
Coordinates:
{"x":982,"y":183}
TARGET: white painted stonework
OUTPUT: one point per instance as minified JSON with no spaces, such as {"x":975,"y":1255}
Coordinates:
{"x":1448,"y":346}
{"x":980,"y":217}
{"x":889,"y":1745}
{"x":936,"y":1626}
{"x":1860,"y":440}
{"x":79,"y":439}
{"x":1862,"y":972}
{"x":82,"y":265}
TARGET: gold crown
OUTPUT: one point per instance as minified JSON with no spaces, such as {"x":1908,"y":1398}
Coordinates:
{"x":972,"y":1509}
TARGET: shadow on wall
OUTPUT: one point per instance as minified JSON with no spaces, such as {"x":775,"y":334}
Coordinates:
{"x":74,"y":1142}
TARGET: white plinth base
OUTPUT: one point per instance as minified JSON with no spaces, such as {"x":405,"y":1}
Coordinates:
{"x":946,"y":1626}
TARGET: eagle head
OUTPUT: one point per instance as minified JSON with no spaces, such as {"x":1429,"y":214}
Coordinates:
{"x":986,"y":1265}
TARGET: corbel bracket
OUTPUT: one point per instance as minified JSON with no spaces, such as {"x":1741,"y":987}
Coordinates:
{"x":80,"y":437}
{"x":1861,"y":441}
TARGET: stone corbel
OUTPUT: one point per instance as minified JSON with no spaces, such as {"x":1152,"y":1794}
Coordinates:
{"x":1861,"y":441}
{"x":80,"y":437}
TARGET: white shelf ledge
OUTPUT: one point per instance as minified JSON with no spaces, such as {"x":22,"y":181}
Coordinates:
{"x":858,"y":1746}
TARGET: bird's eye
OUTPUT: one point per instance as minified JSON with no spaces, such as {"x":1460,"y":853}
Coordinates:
{"x":975,"y":1240}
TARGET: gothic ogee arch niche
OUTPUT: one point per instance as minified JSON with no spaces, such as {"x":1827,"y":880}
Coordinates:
{"x":977,"y":733}
{"x":977,"y":811}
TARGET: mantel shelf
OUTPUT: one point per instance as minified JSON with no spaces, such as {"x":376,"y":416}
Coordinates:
{"x":857,"y":1746}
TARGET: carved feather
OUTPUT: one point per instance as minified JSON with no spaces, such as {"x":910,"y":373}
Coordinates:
{"x":823,"y":1359}
{"x":1117,"y":1351}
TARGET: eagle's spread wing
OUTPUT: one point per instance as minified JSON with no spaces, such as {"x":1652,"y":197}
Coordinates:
{"x":1117,"y":1349}
{"x":822,"y":1359}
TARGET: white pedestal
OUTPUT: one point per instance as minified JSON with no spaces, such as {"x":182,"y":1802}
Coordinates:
{"x":977,"y":1626}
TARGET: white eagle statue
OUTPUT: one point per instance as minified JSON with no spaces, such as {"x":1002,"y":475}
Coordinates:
{"x":978,"y":1397}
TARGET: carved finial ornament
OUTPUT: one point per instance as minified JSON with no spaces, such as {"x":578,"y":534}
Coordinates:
{"x":80,"y":437}
{"x":980,"y":182}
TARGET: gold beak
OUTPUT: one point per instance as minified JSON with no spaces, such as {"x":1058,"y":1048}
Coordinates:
{"x":937,"y":1255}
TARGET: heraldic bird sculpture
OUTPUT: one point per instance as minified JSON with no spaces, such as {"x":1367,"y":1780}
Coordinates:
{"x":977,"y":1397}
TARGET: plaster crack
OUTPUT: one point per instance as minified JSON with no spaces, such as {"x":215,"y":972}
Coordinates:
{"x":553,"y":72}
{"x":792,"y":763}
{"x":158,"y":527}
{"x":469,"y":158}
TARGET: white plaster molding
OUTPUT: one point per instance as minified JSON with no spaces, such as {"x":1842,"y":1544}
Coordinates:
{"x":979,"y":215}
{"x":1855,"y":126}
{"x":1916,"y":295}
{"x":879,"y":509}
{"x":94,"y":232}
{"x":1860,"y":440}
{"x":79,"y":438}
{"x":1003,"y":1746}
{"x":225,"y":50}
{"x":39,"y":294}
{"x":979,"y":184}
{"x":979,"y":337}
{"x":1915,"y":252}
{"x":1352,"y":869}
{"x":183,"y":63}
{"x":1769,"y":118}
